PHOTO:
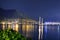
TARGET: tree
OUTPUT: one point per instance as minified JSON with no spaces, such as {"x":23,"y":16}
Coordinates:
{"x":9,"y":34}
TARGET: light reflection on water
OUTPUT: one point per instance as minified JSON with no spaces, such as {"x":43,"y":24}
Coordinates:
{"x":51,"y":32}
{"x":31,"y":32}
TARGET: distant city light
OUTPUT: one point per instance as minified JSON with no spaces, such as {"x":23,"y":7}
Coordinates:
{"x":51,"y":23}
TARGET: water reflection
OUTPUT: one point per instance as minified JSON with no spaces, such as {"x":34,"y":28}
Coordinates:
{"x":51,"y":32}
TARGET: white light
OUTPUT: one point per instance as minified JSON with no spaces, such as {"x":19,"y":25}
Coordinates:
{"x":51,"y":23}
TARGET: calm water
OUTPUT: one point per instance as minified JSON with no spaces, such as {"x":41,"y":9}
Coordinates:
{"x":51,"y":32}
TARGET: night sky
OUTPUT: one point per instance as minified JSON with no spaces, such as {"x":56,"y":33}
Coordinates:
{"x":47,"y":9}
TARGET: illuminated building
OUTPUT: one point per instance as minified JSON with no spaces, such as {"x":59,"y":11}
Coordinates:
{"x":27,"y":27}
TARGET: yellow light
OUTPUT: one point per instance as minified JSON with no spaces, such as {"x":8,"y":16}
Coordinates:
{"x":3,"y":22}
{"x":16,"y":27}
{"x":3,"y":25}
{"x":23,"y":28}
{"x":9,"y":25}
{"x":29,"y":28}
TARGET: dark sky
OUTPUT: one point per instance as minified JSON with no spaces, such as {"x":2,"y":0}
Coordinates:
{"x":47,"y":9}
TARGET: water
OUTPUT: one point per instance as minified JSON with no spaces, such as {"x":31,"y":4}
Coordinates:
{"x":51,"y":32}
{"x":33,"y":34}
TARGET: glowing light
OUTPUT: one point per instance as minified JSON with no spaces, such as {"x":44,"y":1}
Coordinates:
{"x":23,"y":28}
{"x":9,"y":25}
{"x":51,"y":23}
{"x":16,"y":27}
{"x":3,"y":24}
{"x":29,"y":27}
